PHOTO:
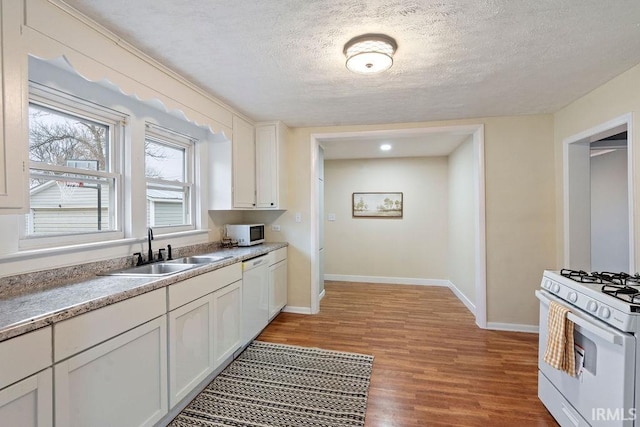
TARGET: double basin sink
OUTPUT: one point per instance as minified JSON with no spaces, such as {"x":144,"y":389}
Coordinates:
{"x":167,"y":268}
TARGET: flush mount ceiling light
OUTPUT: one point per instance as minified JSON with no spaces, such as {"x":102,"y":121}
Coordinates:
{"x":370,"y":53}
{"x":385,"y":147}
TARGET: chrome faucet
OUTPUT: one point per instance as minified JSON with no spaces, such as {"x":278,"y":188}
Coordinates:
{"x":149,"y":239}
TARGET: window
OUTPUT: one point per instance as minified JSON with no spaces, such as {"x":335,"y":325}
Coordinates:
{"x":169,"y":176}
{"x":74,"y":179}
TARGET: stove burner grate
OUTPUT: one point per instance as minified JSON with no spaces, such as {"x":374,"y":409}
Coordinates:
{"x":622,"y":286}
{"x":580,"y":276}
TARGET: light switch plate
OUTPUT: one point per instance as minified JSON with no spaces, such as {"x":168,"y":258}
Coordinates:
{"x":331,"y":217}
{"x":298,"y":217}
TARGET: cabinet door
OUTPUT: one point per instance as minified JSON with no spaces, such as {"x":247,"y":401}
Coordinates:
{"x":121,"y":382}
{"x":13,"y":141}
{"x":28,"y":403}
{"x":266,"y":167}
{"x":228,"y":321}
{"x":244,"y":164}
{"x":191,"y":347}
{"x":277,"y":288}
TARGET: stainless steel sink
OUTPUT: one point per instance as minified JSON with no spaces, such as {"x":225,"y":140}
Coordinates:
{"x":158,"y":269}
{"x":201,"y":259}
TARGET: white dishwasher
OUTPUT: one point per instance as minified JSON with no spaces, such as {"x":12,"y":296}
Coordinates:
{"x":255,"y":297}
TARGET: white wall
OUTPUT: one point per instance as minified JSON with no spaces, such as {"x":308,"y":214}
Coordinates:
{"x":462,"y":211}
{"x":414,"y":247}
{"x":609,"y":212}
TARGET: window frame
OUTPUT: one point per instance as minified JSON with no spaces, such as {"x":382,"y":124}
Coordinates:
{"x":63,"y":103}
{"x":171,"y":138}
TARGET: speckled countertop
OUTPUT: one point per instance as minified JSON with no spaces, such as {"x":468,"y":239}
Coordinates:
{"x":33,"y":309}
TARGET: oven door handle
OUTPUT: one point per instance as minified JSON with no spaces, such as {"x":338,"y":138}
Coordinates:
{"x":586,"y":324}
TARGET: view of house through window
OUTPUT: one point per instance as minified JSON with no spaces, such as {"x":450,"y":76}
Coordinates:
{"x":72,"y":185}
{"x":169,"y":176}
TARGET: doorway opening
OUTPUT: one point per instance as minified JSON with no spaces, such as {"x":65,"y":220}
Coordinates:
{"x":598,"y":198}
{"x":476,"y":134}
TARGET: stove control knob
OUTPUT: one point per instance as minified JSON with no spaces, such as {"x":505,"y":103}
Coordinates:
{"x":546,"y":284}
{"x":592,"y":306}
{"x":605,"y":313}
{"x":555,"y":288}
{"x":573,"y":297}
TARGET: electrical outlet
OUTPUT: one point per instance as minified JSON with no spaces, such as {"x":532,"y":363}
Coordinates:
{"x":331,"y":217}
{"x":298,"y":217}
{"x":275,"y":227}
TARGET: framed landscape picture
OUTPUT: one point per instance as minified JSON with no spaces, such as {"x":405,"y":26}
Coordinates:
{"x":376,"y":205}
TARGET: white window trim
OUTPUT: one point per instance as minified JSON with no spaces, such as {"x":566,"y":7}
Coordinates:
{"x":173,"y":138}
{"x":65,"y":103}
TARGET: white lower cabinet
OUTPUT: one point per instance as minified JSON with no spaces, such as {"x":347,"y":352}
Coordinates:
{"x":201,"y":315}
{"x":277,"y":288}
{"x":191,"y":346}
{"x":129,"y":363}
{"x":121,"y":382}
{"x":227,"y":321}
{"x":277,"y":281}
{"x":28,"y":403}
{"x":202,"y":335}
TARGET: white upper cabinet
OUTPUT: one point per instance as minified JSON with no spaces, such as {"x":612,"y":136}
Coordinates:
{"x":249,"y":171}
{"x":244,"y":164}
{"x":271,"y":182}
{"x":13,"y":144}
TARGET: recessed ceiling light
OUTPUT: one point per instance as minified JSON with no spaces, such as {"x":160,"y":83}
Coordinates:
{"x":385,"y":147}
{"x":370,"y":53}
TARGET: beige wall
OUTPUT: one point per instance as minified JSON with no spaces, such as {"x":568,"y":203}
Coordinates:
{"x":412,"y":247}
{"x":613,"y":99}
{"x":520,"y":210}
{"x":462,"y":218}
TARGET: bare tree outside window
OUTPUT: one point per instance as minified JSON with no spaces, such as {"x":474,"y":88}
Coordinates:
{"x":55,"y":138}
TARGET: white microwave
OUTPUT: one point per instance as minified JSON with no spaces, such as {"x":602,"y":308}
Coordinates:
{"x":246,"y":234}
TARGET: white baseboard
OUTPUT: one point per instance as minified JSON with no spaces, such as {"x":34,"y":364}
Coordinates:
{"x":513,"y":327}
{"x":296,"y":310}
{"x":321,"y":295}
{"x":462,"y":297}
{"x":386,"y":280}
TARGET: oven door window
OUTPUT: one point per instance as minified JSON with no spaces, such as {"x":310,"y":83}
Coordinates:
{"x":586,"y":353}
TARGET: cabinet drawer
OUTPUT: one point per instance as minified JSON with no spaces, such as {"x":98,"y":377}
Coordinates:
{"x":199,"y":286}
{"x":86,"y":330}
{"x":24,"y":355}
{"x":277,"y":255}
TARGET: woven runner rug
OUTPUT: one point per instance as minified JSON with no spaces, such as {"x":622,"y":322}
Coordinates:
{"x":283,"y":385}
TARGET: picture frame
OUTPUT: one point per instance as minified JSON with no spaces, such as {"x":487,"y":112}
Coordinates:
{"x":377,"y":205}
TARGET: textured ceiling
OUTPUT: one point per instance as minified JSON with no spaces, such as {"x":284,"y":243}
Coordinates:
{"x":456,"y":58}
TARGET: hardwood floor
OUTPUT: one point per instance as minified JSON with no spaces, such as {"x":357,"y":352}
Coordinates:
{"x":433,"y":366}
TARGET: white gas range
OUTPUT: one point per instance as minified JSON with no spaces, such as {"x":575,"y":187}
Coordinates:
{"x":605,"y":309}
